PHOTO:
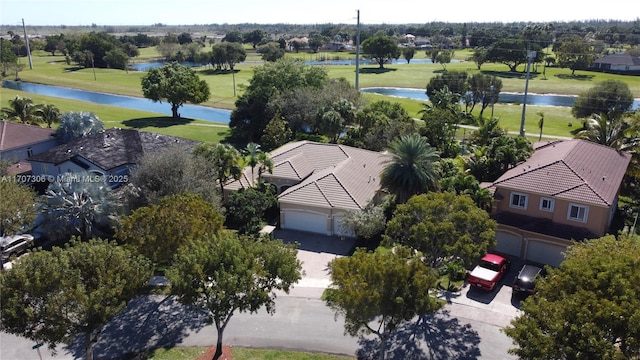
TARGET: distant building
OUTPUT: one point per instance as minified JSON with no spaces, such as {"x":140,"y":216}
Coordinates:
{"x":618,"y":63}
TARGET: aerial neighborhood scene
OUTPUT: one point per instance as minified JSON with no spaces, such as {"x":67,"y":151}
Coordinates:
{"x":294,"y":180}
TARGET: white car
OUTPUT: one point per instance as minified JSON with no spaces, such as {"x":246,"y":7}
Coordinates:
{"x":14,"y":245}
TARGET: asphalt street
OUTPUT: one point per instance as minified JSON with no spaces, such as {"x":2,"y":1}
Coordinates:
{"x":468,"y":327}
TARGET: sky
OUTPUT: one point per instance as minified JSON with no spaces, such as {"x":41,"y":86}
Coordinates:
{"x":189,"y":12}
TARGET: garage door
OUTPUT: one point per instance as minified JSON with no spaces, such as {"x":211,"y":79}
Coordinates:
{"x":339,"y":230}
{"x":508,"y":243}
{"x":304,"y":221}
{"x":545,"y":253}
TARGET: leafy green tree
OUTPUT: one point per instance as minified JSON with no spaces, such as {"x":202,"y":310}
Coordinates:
{"x":22,"y":109}
{"x":233,"y":36}
{"x":467,"y":184}
{"x":444,"y":57}
{"x":223,"y":159}
{"x":157,"y":231}
{"x":488,"y":129}
{"x":75,"y":205}
{"x":224,"y":274}
{"x":610,"y":97}
{"x":331,"y":120}
{"x":588,"y":308}
{"x":98,"y":44}
{"x":442,"y":226}
{"x":75,"y":125}
{"x":378,"y":292}
{"x":184,"y":38}
{"x":247,"y":209}
{"x":381,"y":48}
{"x":49,"y":114}
{"x":412,"y":169}
{"x":574,"y":52}
{"x":408,"y":53}
{"x":8,"y":59}
{"x":255,"y":37}
{"x":175,"y":84}
{"x":269,"y":81}
{"x":378,"y":124}
{"x":270,"y":52}
{"x":366,"y":223}
{"x":234,"y":53}
{"x":479,"y":56}
{"x":439,"y":130}
{"x":277,"y":133}
{"x":188,"y":174}
{"x":17,"y":205}
{"x":52,"y":296}
{"x":455,"y":81}
{"x":484,"y":90}
{"x":511,"y":51}
{"x":116,"y":59}
{"x":502,"y":153}
{"x":316,"y":41}
{"x":54,"y":43}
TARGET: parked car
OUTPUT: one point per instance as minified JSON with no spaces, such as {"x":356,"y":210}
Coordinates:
{"x":489,"y":271}
{"x":525,"y":281}
{"x":14,"y":245}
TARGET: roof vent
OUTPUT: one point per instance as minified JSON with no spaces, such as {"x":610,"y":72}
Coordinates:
{"x":604,"y":178}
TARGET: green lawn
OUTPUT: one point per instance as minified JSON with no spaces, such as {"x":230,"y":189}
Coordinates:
{"x":224,"y":85}
{"x":181,"y":353}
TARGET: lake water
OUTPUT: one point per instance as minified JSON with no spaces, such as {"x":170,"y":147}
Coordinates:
{"x":506,"y":98}
{"x":128,"y":102}
{"x":157,"y":64}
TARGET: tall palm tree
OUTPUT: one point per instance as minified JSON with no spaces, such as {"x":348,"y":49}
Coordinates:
{"x":251,"y":156}
{"x":22,"y":109}
{"x":49,"y":113}
{"x":413,"y":168}
{"x":225,"y":160}
{"x":265,"y":164}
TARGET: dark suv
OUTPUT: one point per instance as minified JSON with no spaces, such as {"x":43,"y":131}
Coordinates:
{"x":525,"y":281}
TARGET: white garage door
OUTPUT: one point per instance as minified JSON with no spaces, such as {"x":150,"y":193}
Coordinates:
{"x":339,"y":230}
{"x":545,"y":253}
{"x":508,"y":243}
{"x":304,"y":221}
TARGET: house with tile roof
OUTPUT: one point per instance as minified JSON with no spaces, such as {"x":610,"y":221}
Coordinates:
{"x":566,"y":191}
{"x":618,"y":63}
{"x":20,"y":141}
{"x":318,"y":182}
{"x":111,"y":153}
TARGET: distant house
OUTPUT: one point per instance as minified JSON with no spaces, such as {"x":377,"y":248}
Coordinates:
{"x":111,"y":153}
{"x":567,"y":190}
{"x":19,"y":142}
{"x":318,"y":182}
{"x":618,"y":63}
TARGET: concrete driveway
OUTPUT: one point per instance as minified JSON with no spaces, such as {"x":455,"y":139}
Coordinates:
{"x":315,"y":251}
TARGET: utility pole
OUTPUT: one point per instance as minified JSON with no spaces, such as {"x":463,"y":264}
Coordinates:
{"x":26,"y":40}
{"x":358,"y":52}
{"x":493,"y":99}
{"x":530,"y":55}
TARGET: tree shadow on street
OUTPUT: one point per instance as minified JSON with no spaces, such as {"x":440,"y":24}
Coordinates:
{"x":434,"y":337}
{"x":148,"y":322}
{"x":156,"y":122}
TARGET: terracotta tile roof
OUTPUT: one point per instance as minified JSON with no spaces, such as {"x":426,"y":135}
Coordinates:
{"x":111,"y":148}
{"x":335,"y":176}
{"x":15,"y":135}
{"x":575,"y":170}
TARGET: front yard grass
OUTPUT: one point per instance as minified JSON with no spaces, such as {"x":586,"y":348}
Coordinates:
{"x":192,"y":353}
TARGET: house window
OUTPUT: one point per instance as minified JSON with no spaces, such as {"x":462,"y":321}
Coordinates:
{"x":518,"y":201}
{"x":546,"y":204}
{"x":578,"y":213}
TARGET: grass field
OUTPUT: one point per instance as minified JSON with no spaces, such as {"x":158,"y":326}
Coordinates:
{"x":226,"y":86}
{"x":180,"y":353}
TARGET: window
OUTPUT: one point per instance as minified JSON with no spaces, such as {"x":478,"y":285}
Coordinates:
{"x":546,"y":204}
{"x":518,"y":201}
{"x":578,"y":213}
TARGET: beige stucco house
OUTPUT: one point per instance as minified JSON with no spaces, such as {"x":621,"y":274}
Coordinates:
{"x":318,"y":182}
{"x":568,"y":190}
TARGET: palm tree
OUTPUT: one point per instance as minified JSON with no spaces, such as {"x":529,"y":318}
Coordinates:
{"x":619,"y":133}
{"x":79,"y":204}
{"x":251,"y":154}
{"x":225,"y":160}
{"x":413,"y":168}
{"x":49,"y":113}
{"x":22,"y":109}
{"x":265,"y":164}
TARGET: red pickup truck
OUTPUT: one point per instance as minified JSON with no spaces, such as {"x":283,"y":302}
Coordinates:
{"x":489,"y":271}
